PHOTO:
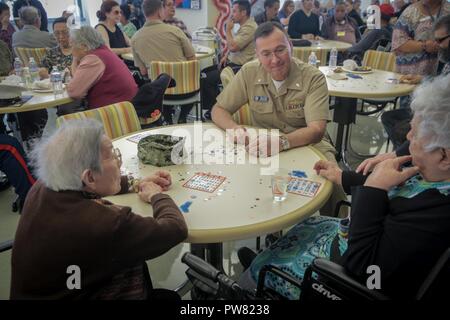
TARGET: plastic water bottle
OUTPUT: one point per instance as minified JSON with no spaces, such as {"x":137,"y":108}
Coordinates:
{"x":333,"y":59}
{"x":34,"y":70}
{"x":312,"y":60}
{"x":18,"y":67}
{"x":56,"y":80}
{"x":26,"y":77}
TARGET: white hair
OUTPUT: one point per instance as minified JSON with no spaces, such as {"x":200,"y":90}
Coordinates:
{"x":431,"y":103}
{"x":60,"y":159}
{"x":87,"y":36}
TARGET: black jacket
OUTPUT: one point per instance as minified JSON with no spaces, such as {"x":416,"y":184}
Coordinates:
{"x":404,"y":237}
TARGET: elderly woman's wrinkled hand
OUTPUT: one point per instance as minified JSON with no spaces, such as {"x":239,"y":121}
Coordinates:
{"x":161,"y":177}
{"x":329,"y":170}
{"x":147,"y":190}
{"x":389,"y":173}
{"x":367,"y":165}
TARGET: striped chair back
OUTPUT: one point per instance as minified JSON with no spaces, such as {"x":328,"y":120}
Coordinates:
{"x":25,"y":53}
{"x":243,"y":115}
{"x":118,"y":119}
{"x":302,"y":53}
{"x":185,"y":73}
{"x":379,"y":60}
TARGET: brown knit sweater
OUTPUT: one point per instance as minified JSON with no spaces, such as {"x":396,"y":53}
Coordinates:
{"x":108,"y":242}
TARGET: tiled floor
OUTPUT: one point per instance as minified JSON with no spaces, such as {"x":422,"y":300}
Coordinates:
{"x":167,"y":271}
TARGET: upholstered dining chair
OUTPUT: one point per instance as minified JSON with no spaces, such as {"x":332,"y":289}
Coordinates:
{"x":187,"y":78}
{"x":118,"y":119}
{"x":242,"y":116}
{"x":25,"y":53}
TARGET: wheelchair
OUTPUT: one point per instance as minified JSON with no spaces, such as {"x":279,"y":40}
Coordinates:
{"x":323,"y":281}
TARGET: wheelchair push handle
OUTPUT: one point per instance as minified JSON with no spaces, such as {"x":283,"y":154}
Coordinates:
{"x":200,"y":266}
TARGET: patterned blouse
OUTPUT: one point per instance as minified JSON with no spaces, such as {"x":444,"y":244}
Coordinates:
{"x":55,"y":57}
{"x":180,"y":24}
{"x":414,"y":25}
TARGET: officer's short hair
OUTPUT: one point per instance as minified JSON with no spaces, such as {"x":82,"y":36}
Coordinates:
{"x":244,"y":5}
{"x":150,"y":7}
{"x":267,"y":28}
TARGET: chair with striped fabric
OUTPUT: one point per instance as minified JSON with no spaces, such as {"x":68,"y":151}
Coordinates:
{"x":118,"y":119}
{"x":25,"y":53}
{"x":243,"y":115}
{"x":302,"y":53}
{"x":379,"y":60}
{"x":187,"y":77}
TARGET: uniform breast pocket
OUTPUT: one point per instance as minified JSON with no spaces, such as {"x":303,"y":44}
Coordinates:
{"x":261,"y":107}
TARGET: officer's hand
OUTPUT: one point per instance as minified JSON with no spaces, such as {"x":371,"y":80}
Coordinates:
{"x":388,"y":174}
{"x":329,"y":170}
{"x":264,"y":146}
{"x":367,"y":165}
{"x":238,"y":135}
{"x":230,"y":25}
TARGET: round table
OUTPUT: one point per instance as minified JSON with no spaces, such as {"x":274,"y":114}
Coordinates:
{"x":37,"y":102}
{"x":321,"y":48}
{"x":376,"y":85}
{"x":242,"y":206}
{"x":204,"y":54}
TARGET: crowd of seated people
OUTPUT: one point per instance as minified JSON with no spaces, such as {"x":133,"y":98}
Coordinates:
{"x":396,"y":198}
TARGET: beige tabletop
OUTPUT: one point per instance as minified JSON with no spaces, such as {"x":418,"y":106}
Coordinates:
{"x":321,"y":49}
{"x":241,"y":207}
{"x":376,"y":84}
{"x":326,"y":45}
{"x":38,"y":101}
{"x":201,"y":52}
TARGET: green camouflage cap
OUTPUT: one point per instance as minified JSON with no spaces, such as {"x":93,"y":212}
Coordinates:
{"x":161,"y":150}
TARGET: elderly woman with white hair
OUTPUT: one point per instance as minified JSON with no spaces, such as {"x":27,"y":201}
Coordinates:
{"x":98,"y":74}
{"x":400,"y":215}
{"x":66,"y":229}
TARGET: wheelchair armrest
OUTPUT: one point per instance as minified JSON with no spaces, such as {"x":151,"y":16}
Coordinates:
{"x":7,"y":245}
{"x":338,"y":282}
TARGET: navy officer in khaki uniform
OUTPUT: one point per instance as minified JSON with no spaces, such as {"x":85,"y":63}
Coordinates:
{"x":283,"y":93}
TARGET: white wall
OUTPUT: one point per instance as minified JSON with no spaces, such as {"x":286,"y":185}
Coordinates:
{"x":91,"y":7}
{"x":194,"y":19}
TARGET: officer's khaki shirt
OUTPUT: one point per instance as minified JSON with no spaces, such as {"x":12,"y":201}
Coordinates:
{"x":301,"y":99}
{"x":158,"y":41}
{"x":244,"y":39}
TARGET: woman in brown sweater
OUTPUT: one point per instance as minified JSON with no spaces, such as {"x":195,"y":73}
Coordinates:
{"x":71,"y":244}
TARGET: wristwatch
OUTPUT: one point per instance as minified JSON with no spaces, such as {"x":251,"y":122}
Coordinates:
{"x":284,"y":142}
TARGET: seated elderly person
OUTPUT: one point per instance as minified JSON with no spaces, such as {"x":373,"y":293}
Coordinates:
{"x":340,"y":27}
{"x":30,"y":36}
{"x":65,"y":222}
{"x":97,"y":73}
{"x":61,"y":55}
{"x":400,"y":216}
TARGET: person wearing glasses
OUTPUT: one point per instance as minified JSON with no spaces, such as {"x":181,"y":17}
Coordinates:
{"x":169,"y":17}
{"x":66,"y":225}
{"x":61,"y":55}
{"x":397,"y":122}
{"x":282,"y":93}
{"x":108,"y":26}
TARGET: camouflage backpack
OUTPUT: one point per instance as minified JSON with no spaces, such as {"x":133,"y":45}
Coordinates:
{"x":161,"y":150}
